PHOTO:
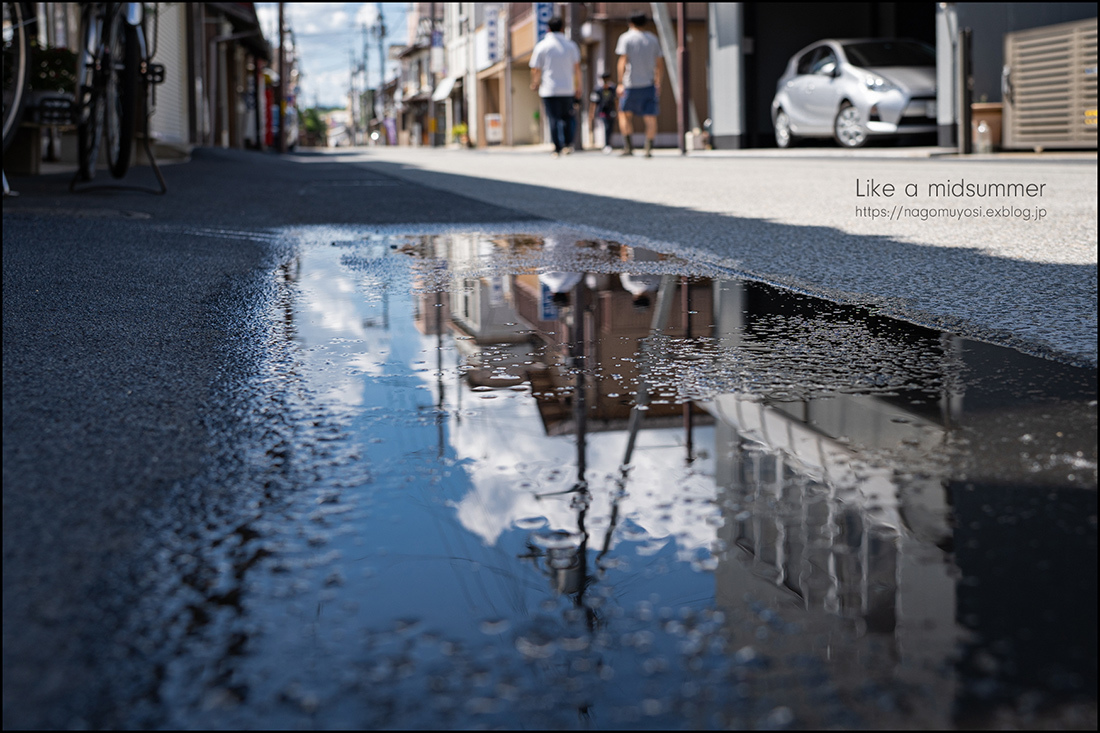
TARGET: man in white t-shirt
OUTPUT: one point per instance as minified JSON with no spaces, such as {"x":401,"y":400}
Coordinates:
{"x":556,"y":74}
{"x":639,"y":82}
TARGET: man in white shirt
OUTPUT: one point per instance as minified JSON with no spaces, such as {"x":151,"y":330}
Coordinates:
{"x":639,"y":82}
{"x":556,"y":74}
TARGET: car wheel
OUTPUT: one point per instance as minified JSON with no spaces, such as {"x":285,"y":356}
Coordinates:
{"x":783,"y":136}
{"x":848,"y":127}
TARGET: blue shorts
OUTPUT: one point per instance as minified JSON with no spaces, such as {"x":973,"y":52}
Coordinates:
{"x":640,"y":101}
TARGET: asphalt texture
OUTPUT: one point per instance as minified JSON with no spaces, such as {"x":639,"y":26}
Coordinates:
{"x":125,"y":315}
{"x":127,"y":320}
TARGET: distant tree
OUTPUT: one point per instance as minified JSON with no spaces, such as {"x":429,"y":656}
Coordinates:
{"x":314,"y":127}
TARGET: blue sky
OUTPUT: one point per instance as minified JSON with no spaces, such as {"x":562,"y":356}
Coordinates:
{"x":327,"y":35}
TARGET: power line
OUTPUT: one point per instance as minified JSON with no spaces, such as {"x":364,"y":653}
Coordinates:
{"x":325,"y":34}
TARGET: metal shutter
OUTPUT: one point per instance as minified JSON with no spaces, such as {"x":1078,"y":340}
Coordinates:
{"x":169,"y":122}
{"x":1050,"y":87}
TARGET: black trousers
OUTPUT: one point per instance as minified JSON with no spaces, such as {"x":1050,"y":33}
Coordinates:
{"x":559,"y":113}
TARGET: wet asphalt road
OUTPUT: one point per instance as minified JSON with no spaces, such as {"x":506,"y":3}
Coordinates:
{"x":118,"y":326}
{"x":128,"y":325}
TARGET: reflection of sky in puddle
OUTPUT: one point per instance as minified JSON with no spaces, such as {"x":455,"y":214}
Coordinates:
{"x":515,"y":470}
{"x":811,"y":527}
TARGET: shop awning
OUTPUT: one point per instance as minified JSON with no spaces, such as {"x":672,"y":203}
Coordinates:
{"x":444,"y":89}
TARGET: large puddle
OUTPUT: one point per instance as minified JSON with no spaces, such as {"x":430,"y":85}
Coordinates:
{"x":522,"y":481}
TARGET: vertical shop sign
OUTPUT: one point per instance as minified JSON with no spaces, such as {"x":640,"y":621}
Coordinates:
{"x":543,"y":13}
{"x":492,"y":31}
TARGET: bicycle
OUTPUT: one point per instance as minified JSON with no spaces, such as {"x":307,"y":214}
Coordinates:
{"x":110,"y":64}
{"x":19,"y":28}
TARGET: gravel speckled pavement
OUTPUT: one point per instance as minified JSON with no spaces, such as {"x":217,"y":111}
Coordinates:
{"x":126,"y":323}
{"x":794,"y":218}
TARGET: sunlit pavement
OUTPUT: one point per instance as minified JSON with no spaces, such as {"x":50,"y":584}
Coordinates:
{"x":1018,"y":270}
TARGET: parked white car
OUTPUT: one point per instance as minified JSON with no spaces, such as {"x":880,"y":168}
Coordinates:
{"x":856,"y":89}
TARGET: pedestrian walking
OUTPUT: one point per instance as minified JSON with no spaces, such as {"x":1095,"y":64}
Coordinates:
{"x":639,"y":283}
{"x":639,"y":82}
{"x":556,"y":74}
{"x":602,"y":107}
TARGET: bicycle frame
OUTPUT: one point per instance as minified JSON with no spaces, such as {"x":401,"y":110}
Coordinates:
{"x":117,"y":78}
{"x":20,"y":26}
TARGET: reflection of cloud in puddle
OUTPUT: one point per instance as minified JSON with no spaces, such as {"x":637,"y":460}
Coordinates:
{"x":330,"y":295}
{"x":336,"y":314}
{"x":347,"y":392}
{"x":370,"y":363}
{"x":514,"y":468}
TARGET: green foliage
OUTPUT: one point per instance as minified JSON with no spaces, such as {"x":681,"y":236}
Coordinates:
{"x":312,"y":121}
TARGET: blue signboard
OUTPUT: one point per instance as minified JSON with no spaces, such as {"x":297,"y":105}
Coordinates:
{"x":543,"y":13}
{"x":492,"y":20}
{"x":548,"y":309}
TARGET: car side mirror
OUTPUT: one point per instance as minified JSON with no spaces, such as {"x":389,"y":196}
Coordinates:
{"x":829,"y":69}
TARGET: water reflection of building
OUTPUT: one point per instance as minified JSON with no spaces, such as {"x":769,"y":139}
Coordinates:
{"x":510,"y":330}
{"x":816,"y":528}
{"x":837,"y":437}
{"x":846,"y":507}
{"x":498,"y":349}
{"x":611,"y":327}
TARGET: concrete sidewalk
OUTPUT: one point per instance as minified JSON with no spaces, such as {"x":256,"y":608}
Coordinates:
{"x":1018,"y":270}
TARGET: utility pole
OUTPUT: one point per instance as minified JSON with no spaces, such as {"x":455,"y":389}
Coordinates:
{"x":431,"y":74}
{"x":683,"y":103}
{"x":380,"y":30}
{"x":575,"y":36}
{"x":509,"y":123}
{"x":366,"y":80}
{"x":351,"y":96}
{"x":280,"y":97}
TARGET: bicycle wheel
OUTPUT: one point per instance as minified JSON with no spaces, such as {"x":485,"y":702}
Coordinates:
{"x":89,"y":97}
{"x":17,"y":36}
{"x":121,"y":93}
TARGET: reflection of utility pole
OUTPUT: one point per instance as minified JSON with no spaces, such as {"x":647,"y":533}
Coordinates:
{"x":578,"y":353}
{"x":685,"y":309}
{"x":439,"y":369}
{"x":641,"y":398}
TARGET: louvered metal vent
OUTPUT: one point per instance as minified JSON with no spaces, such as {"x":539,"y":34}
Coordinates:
{"x":1049,"y":86}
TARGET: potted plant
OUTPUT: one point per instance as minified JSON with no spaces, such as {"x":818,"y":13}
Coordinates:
{"x":462,"y":133}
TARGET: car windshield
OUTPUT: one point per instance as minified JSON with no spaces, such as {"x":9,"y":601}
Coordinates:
{"x":890,"y":53}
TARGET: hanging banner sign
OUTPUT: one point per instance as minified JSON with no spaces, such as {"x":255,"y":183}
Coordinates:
{"x":543,"y":13}
{"x":492,"y":31}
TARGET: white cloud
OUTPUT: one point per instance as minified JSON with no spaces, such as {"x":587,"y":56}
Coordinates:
{"x":366,"y":15}
{"x":325,"y":34}
{"x":268,"y":13}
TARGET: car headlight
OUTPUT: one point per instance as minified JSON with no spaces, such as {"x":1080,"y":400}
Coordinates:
{"x":878,"y":84}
